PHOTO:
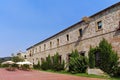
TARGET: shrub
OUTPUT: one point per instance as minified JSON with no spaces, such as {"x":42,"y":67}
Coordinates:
{"x":53,"y":63}
{"x":57,"y":64}
{"x":17,"y":59}
{"x":37,"y":66}
{"x":25,"y":67}
{"x":15,"y":65}
{"x":5,"y":65}
{"x":109,"y":58}
{"x":44,"y":65}
{"x":49,"y":62}
{"x":91,"y":57}
{"x":77,"y":64}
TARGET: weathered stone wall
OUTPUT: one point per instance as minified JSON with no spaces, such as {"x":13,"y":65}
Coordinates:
{"x":91,"y":37}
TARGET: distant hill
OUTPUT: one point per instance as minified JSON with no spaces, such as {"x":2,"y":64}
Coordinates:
{"x":5,"y":59}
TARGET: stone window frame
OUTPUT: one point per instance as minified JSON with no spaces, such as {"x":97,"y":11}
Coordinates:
{"x":96,"y":23}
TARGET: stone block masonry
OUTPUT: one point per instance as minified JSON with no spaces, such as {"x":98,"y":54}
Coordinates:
{"x":80,"y":36}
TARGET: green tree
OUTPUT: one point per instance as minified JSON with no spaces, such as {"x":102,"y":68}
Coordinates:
{"x":53,"y":63}
{"x":91,"y":57}
{"x":37,"y":66}
{"x":57,"y":64}
{"x":109,"y":58}
{"x":49,"y":62}
{"x":44,"y":65}
{"x":78,"y":63}
{"x":17,"y":59}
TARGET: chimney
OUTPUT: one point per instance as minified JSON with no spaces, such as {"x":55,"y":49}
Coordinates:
{"x":86,"y":19}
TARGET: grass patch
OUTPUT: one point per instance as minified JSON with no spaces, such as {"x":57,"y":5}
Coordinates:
{"x":85,"y":75}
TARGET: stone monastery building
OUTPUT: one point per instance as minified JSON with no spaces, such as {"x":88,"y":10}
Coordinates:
{"x":88,"y":32}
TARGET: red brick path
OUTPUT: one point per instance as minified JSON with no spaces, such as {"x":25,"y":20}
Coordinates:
{"x":37,"y":75}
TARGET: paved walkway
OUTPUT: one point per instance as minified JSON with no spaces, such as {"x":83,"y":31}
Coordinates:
{"x":37,"y":75}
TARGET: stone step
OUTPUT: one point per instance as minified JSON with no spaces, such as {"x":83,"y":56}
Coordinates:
{"x":96,"y":72}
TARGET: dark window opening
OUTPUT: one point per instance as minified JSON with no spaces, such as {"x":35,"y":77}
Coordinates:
{"x":30,"y":55}
{"x":42,"y":59}
{"x":60,"y":58}
{"x":50,"y":44}
{"x":119,"y":26}
{"x":25,"y":56}
{"x":36,"y":58}
{"x":57,"y":42}
{"x":40,"y":48}
{"x":44,"y":46}
{"x":67,"y":37}
{"x":69,"y":55}
{"x":97,"y":59}
{"x":80,"y":32}
{"x":99,"y":24}
{"x":82,"y":54}
{"x":52,"y":58}
{"x":33,"y":61}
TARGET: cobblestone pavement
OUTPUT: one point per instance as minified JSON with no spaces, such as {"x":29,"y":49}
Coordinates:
{"x":37,"y":75}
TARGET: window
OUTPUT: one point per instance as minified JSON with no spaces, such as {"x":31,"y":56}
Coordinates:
{"x":57,"y":42}
{"x":30,"y":55}
{"x":52,"y":59}
{"x":82,"y":53}
{"x":42,"y":59}
{"x":40,"y":48}
{"x":30,"y":51}
{"x":36,"y":50}
{"x":25,"y":56}
{"x":50,"y":45}
{"x":44,"y":46}
{"x":68,"y":58}
{"x":36,"y":59}
{"x":119,"y":26}
{"x":33,"y":61}
{"x":67,"y":37}
{"x":60,"y":58}
{"x":80,"y":32}
{"x":99,"y":24}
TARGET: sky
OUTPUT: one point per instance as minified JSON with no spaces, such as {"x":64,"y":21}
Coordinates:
{"x":24,"y":23}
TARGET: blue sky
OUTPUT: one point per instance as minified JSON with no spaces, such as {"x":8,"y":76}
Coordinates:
{"x":24,"y":23}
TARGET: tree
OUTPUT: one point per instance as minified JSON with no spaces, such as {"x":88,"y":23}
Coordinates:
{"x":49,"y":62}
{"x":53,"y":63}
{"x":109,"y":58}
{"x":57,"y":64}
{"x":91,"y":57}
{"x":78,"y":63}
{"x":17,"y":59}
{"x":37,"y":66}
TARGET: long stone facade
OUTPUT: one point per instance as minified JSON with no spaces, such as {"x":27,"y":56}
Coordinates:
{"x":80,"y":36}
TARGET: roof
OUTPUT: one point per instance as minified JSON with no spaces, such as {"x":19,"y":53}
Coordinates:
{"x":117,"y":4}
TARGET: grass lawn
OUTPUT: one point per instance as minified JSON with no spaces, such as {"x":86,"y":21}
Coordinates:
{"x":85,"y":75}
